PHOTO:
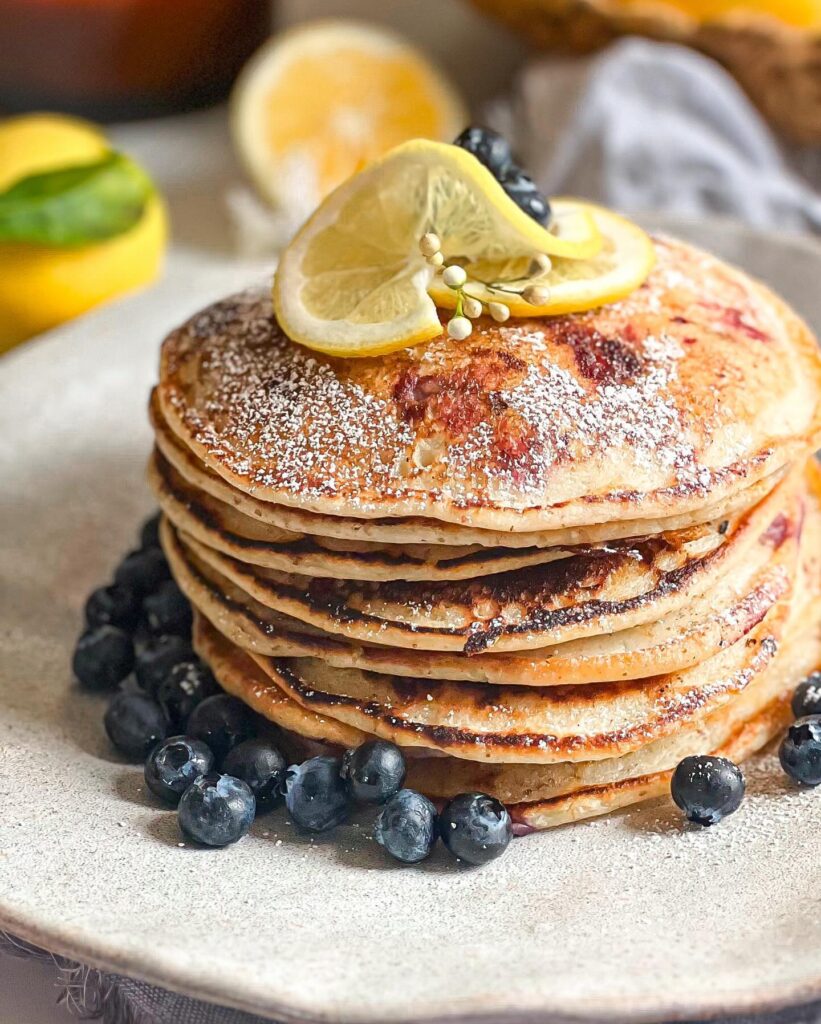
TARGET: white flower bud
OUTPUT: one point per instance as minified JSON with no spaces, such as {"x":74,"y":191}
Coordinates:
{"x":472,"y":307}
{"x":540,"y":264}
{"x":499,"y":312}
{"x":454,"y":277}
{"x":536,"y":296}
{"x":459,"y":328}
{"x":436,"y":260}
{"x":429,"y":244}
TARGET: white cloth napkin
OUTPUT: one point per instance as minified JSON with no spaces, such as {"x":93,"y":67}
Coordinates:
{"x":652,"y":126}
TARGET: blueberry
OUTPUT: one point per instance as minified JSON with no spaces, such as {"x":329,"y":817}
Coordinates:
{"x":221,"y":722}
{"x":707,"y":788}
{"x":157,"y":657}
{"x":103,"y":657}
{"x":406,"y":826}
{"x":259,"y":763}
{"x":489,"y":148}
{"x":475,"y":827}
{"x":375,"y":771}
{"x":800,"y":751}
{"x":116,"y":605}
{"x":135,"y":723}
{"x":807,"y":697}
{"x":167,"y":611}
{"x":143,"y":570}
{"x":316,"y":795}
{"x":183,"y":688}
{"x":171,"y":767}
{"x":216,"y":810}
{"x":150,"y":531}
{"x":523,"y":191}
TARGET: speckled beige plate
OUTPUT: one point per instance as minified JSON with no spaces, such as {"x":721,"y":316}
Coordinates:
{"x":633,"y":917}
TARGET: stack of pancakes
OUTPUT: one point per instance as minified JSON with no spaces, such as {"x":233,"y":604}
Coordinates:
{"x":549,"y":561}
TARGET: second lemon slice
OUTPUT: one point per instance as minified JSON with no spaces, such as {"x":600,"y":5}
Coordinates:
{"x":624,"y":260}
{"x":353,"y":282}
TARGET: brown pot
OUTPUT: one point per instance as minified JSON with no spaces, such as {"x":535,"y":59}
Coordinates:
{"x":112,"y":59}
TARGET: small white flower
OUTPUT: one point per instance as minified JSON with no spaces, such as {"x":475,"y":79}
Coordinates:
{"x":459,"y":328}
{"x":540,"y":264}
{"x":499,"y":312}
{"x":472,"y":307}
{"x":429,"y":244}
{"x":536,"y":296}
{"x":454,"y":277}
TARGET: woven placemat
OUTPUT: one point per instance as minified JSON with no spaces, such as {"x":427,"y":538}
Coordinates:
{"x":90,"y":994}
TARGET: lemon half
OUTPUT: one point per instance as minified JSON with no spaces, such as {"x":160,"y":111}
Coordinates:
{"x":321,"y":101}
{"x":42,"y":286}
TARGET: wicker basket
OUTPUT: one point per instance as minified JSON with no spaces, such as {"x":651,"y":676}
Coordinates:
{"x":779,"y":66}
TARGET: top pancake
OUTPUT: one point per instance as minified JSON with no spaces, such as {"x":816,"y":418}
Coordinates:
{"x":416,"y":530}
{"x":696,"y":386}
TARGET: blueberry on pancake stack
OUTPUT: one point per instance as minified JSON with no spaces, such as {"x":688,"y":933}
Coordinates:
{"x":549,"y":559}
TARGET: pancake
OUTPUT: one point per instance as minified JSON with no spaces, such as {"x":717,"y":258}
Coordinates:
{"x":296,"y":523}
{"x":546,"y":795}
{"x":238,"y":675}
{"x":586,"y":595}
{"x":542,"y":725}
{"x":696,"y":386}
{"x":520,"y":725}
{"x":594,"y":801}
{"x":684,"y":638}
{"x":577,"y":804}
{"x":442,"y":777}
{"x":231,"y":532}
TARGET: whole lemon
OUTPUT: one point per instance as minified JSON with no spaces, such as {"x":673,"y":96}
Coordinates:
{"x":40,"y":285}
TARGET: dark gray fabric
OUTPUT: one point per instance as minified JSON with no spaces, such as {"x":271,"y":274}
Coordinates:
{"x":89,"y":994}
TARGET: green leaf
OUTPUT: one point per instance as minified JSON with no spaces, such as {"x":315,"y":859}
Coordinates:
{"x":75,"y":205}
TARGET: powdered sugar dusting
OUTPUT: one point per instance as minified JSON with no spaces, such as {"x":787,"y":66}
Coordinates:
{"x":296,"y":421}
{"x":569,"y":423}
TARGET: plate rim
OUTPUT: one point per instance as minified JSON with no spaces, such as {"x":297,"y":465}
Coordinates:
{"x":768,"y":999}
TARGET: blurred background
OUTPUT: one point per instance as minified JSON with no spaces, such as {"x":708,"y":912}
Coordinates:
{"x":215,"y":126}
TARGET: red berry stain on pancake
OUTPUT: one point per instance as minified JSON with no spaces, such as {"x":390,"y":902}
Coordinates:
{"x":598,"y":358}
{"x":733,"y":318}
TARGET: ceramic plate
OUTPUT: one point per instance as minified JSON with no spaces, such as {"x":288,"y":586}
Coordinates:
{"x":629,"y":917}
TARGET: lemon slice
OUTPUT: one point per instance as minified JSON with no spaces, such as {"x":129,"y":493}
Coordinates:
{"x":353,"y":281}
{"x":318,"y":103}
{"x":623,"y":262}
